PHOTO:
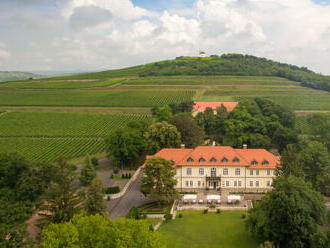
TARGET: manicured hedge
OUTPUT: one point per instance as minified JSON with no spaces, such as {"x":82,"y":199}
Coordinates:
{"x":112,"y":190}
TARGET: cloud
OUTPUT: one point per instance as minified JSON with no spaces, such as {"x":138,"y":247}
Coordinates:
{"x":89,"y":16}
{"x":98,"y":34}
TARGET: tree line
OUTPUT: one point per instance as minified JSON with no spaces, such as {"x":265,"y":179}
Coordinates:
{"x":239,"y":65}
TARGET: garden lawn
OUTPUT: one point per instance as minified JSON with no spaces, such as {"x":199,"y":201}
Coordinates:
{"x":195,"y":229}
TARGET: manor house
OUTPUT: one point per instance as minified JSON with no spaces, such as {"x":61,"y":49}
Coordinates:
{"x":222,"y":167}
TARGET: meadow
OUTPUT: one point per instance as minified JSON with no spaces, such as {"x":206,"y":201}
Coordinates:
{"x":195,"y":229}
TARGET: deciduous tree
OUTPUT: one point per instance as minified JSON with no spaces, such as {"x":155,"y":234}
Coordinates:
{"x":87,"y":173}
{"x":94,"y":200}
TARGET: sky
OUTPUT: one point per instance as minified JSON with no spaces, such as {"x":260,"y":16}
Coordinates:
{"x":87,"y":35}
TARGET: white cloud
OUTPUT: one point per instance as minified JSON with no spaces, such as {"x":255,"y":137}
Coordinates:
{"x":100,"y":34}
{"x":4,"y":54}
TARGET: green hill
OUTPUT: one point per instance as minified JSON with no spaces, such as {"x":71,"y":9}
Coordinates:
{"x":227,"y":64}
{"x":16,"y":75}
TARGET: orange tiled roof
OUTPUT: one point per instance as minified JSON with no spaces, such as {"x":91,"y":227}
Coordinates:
{"x":220,"y":156}
{"x":201,"y":106}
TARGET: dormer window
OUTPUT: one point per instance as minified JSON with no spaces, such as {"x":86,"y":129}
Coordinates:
{"x":254,"y":163}
{"x":213,"y":160}
{"x":224,"y":160}
{"x":190,"y":160}
{"x":235,"y":160}
{"x":201,"y":160}
{"x":265,"y":162}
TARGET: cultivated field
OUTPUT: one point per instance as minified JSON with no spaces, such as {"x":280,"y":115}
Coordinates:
{"x":70,"y":115}
{"x":195,"y":229}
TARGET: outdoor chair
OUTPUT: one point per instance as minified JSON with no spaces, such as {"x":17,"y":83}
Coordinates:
{"x":218,"y":201}
{"x":200,"y":201}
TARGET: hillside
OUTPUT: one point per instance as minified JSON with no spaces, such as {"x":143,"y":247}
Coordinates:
{"x":227,"y":64}
{"x":6,"y":76}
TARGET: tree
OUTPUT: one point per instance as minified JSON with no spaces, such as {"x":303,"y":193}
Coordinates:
{"x":291,"y":165}
{"x":191,"y":134}
{"x":159,"y":179}
{"x":162,"y":135}
{"x":315,"y":162}
{"x":289,"y":215}
{"x":87,"y":173}
{"x":126,"y":145}
{"x":100,"y":231}
{"x":61,"y":198}
{"x":320,"y":128}
{"x":321,"y":239}
{"x":284,"y":136}
{"x":95,"y":193}
{"x":162,"y":114}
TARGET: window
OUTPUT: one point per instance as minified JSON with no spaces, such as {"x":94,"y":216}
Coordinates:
{"x":201,"y":160}
{"x":191,"y":183}
{"x":254,"y":163}
{"x":257,"y":183}
{"x":175,"y":172}
{"x":224,"y":160}
{"x":237,"y":171}
{"x":239,"y":183}
{"x":213,"y":160}
{"x":225,"y":171}
{"x":268,"y":172}
{"x":201,"y":171}
{"x":268,"y":183}
{"x":265,"y":162}
{"x":187,"y":183}
{"x":227,"y":183}
{"x":188,"y":171}
{"x":274,"y":172}
{"x":199,"y":183}
{"x":235,"y":183}
{"x":257,"y":172}
{"x":251,"y":183}
{"x":251,"y":172}
{"x":190,"y":160}
{"x":213,"y":172}
{"x":235,"y":160}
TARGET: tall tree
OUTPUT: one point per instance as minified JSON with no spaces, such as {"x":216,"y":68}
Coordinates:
{"x":94,"y":200}
{"x":61,"y":198}
{"x":162,"y":135}
{"x":87,"y":173}
{"x":159,"y":179}
{"x":100,"y":231}
{"x":191,"y":134}
{"x":291,"y":165}
{"x":126,"y":145}
{"x":162,"y":114}
{"x":289,"y":215}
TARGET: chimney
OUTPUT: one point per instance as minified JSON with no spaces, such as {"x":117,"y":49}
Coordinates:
{"x":182,"y":146}
{"x":213,"y":143}
{"x":244,"y":146}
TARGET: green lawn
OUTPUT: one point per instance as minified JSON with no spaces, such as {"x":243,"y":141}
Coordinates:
{"x":195,"y":229}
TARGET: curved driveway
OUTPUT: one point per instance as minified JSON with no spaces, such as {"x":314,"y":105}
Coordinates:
{"x":133,"y":197}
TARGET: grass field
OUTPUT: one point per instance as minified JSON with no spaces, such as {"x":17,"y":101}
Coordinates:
{"x":195,"y":229}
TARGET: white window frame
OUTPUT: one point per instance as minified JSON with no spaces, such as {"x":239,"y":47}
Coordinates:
{"x":235,"y":183}
{"x":187,"y":183}
{"x":268,"y":172}
{"x":239,"y":183}
{"x":268,"y":183}
{"x":251,"y":183}
{"x":201,"y":171}
{"x":191,"y":183}
{"x":213,"y":172}
{"x":257,"y":184}
{"x":225,"y":171}
{"x":227,"y":183}
{"x":251,"y":172}
{"x":257,"y":172}
{"x":188,"y":171}
{"x":237,"y":171}
{"x":199,"y":183}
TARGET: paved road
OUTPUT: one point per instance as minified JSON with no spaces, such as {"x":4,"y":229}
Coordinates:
{"x":133,"y":197}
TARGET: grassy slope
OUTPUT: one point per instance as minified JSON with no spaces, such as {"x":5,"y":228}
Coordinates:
{"x":195,"y":229}
{"x":16,"y":75}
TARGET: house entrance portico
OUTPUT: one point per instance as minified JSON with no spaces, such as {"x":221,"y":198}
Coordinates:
{"x":213,"y":182}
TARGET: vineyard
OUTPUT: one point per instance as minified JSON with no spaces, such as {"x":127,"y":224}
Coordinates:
{"x":107,"y":98}
{"x":46,"y":136}
{"x":61,"y":124}
{"x":50,"y":149}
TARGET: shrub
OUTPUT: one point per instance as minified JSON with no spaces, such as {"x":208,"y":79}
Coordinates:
{"x":243,"y":216}
{"x":151,"y":228}
{"x":168,"y":217}
{"x":236,"y":202}
{"x":180,"y":215}
{"x":108,"y":198}
{"x":205,"y":211}
{"x":129,"y":175}
{"x":212,"y":206}
{"x":133,"y":213}
{"x":122,"y":176}
{"x":95,"y":161}
{"x":115,"y":170}
{"x":112,"y":190}
{"x":112,"y":176}
{"x":218,"y":211}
